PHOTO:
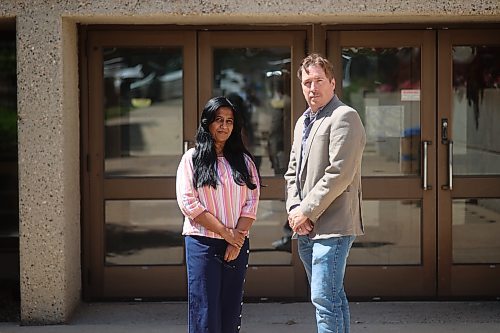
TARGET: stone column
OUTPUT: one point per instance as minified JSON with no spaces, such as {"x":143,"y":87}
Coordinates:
{"x":49,"y":181}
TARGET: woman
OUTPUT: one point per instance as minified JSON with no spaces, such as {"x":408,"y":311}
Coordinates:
{"x":218,"y":189}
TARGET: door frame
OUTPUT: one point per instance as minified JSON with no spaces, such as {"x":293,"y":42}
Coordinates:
{"x":399,"y":281}
{"x":99,"y":281}
{"x":276,"y":281}
{"x":454,"y":280}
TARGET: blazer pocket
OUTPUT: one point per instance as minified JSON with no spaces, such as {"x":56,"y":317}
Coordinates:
{"x":322,"y":137}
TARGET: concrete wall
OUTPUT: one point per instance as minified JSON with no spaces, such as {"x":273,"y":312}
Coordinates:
{"x":49,"y":112}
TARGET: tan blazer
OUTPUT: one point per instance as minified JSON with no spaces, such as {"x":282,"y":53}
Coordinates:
{"x":328,"y":187}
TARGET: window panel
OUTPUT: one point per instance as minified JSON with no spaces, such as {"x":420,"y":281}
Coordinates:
{"x":476,"y":111}
{"x":143,"y":111}
{"x":383,"y":85}
{"x":257,"y":81}
{"x":476,"y":227}
{"x":143,"y":232}
{"x":392,"y":234}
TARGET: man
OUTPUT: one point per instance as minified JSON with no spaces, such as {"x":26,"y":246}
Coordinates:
{"x":324,"y":190}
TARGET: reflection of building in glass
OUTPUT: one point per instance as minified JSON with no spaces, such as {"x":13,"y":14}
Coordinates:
{"x":257,"y":81}
{"x":143,"y":92}
{"x":278,"y":103}
{"x":137,"y":80}
{"x":383,"y":85}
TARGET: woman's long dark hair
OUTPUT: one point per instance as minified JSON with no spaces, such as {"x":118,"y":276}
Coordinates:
{"x":205,"y":157}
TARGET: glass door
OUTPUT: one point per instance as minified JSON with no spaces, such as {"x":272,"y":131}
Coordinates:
{"x":469,"y":163}
{"x":389,"y":78}
{"x":141,"y":111}
{"x":143,"y":108}
{"x":256,"y":70}
{"x":431,"y":167}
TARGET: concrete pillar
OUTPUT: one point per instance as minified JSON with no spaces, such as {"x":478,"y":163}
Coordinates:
{"x":49,"y":185}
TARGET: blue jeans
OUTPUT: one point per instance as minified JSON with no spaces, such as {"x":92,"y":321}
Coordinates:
{"x":325,"y":262}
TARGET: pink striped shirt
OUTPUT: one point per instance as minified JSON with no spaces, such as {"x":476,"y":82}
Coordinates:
{"x":228,"y":202}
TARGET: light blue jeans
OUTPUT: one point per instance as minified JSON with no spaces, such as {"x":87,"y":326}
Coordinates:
{"x":325,"y":262}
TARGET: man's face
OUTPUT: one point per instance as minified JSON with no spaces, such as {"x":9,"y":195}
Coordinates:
{"x":317,"y":89}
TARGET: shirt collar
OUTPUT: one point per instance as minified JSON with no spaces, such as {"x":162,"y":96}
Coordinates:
{"x":312,"y":116}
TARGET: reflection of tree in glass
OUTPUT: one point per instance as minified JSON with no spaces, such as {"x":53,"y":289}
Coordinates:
{"x":8,"y":97}
{"x":152,"y":74}
{"x":367,"y":70}
{"x":476,"y":68}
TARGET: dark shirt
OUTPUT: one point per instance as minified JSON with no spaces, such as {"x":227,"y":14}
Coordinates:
{"x":309,"y":119}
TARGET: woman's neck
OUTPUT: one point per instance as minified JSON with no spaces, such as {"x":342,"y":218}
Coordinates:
{"x":219,"y":149}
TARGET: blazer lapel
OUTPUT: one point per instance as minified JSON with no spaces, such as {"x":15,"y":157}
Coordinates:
{"x":326,"y":112}
{"x":309,"y":141}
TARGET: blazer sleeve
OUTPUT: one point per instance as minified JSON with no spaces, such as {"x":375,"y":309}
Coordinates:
{"x":346,"y":143}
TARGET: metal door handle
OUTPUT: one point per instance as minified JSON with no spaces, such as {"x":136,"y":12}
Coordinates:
{"x":425,"y":167}
{"x":450,"y":165}
{"x":445,"y":141}
{"x":449,"y":186}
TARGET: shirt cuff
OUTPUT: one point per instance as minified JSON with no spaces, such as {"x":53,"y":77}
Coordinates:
{"x":292,"y":207}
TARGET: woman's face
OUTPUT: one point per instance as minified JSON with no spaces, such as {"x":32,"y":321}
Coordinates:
{"x":222,"y":126}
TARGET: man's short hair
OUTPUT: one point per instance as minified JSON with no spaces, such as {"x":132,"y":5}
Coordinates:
{"x":316,"y":59}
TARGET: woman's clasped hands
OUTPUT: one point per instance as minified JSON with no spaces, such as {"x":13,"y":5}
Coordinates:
{"x":234,"y":237}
